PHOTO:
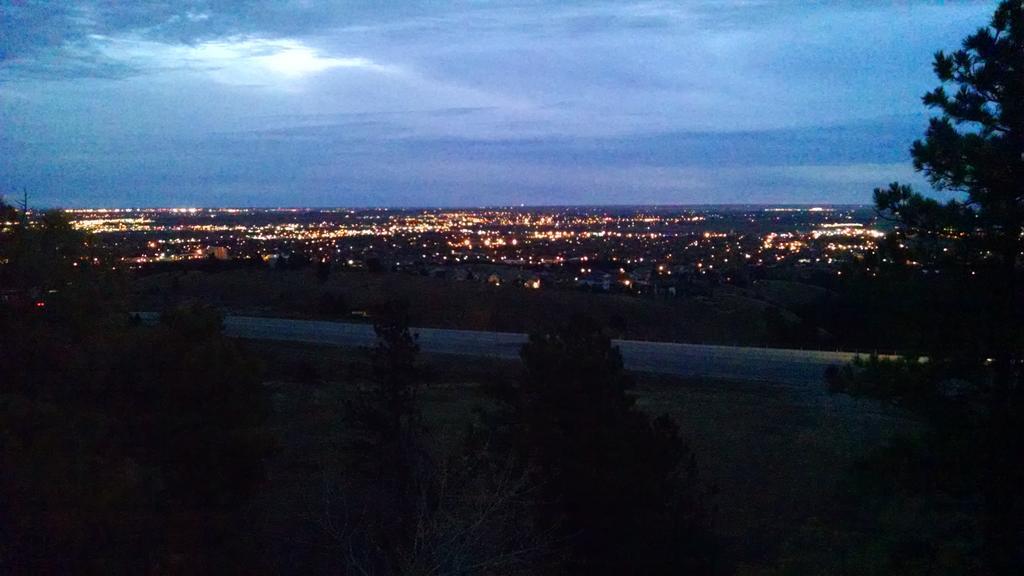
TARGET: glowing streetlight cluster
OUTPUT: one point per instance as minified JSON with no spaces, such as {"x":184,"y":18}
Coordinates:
{"x":632,"y":249}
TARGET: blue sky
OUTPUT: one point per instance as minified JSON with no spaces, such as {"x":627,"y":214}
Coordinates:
{"x":289,"y":103}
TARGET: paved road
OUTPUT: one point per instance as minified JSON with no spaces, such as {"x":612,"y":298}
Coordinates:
{"x":804,"y":368}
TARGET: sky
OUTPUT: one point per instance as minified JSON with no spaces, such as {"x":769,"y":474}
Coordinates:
{"x":303,"y":103}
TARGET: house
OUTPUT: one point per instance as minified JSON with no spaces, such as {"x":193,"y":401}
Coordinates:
{"x":596,"y":281}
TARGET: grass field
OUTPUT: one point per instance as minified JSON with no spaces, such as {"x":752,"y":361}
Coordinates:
{"x":776,"y":457}
{"x":731,"y":316}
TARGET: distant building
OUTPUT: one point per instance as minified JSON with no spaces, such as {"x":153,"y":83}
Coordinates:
{"x":218,"y":252}
{"x":596,"y":280}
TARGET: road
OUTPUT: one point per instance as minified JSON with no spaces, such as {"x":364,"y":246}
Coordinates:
{"x":803,"y":368}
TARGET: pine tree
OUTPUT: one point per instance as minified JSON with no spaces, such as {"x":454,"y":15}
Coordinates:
{"x":970,"y":389}
{"x":622,"y":487}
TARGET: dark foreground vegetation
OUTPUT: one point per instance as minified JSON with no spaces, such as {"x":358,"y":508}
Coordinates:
{"x":169,"y":448}
{"x":172,"y":449}
{"x":962,"y":478}
{"x":143,"y":449}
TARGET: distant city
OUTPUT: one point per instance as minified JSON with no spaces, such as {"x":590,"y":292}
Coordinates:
{"x":636,"y":250}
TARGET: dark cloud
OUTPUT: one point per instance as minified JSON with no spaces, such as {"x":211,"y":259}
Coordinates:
{"x":37,"y":32}
{"x":350,"y":164}
{"x":269,"y":102}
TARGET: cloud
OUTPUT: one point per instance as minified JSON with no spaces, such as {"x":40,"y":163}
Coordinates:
{"x":232,"y":60}
{"x":347,"y":162}
{"x":263,"y":101}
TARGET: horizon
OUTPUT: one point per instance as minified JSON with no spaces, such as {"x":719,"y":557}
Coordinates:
{"x":729,"y":205}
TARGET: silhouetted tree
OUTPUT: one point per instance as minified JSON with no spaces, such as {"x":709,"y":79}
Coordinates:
{"x":969,"y":391}
{"x":392,"y":444}
{"x":411,"y":507}
{"x":127,"y":448}
{"x":42,"y":253}
{"x":7,"y":212}
{"x":396,"y":376}
{"x":620,"y":487}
